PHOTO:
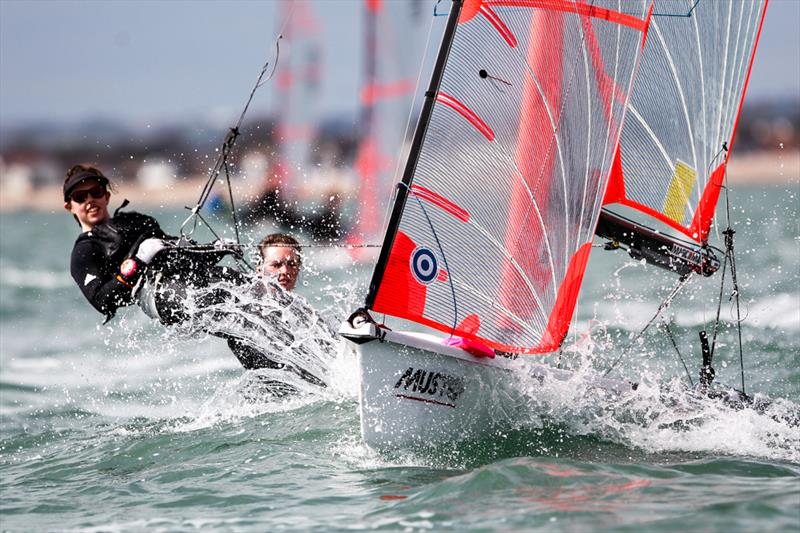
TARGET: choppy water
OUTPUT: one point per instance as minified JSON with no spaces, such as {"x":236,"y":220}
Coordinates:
{"x":131,"y":426}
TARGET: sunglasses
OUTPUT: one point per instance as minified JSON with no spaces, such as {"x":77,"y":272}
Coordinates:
{"x":81,"y":196}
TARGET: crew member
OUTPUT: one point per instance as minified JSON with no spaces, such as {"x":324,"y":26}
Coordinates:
{"x":280,"y":262}
{"x":106,"y":242}
{"x":280,"y":259}
{"x":112,"y":253}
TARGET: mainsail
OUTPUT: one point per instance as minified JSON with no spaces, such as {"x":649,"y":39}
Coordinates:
{"x":683,"y":112}
{"x":493,"y":221}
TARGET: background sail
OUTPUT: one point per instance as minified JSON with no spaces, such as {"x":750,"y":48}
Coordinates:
{"x":393,"y":49}
{"x":297,"y":84}
{"x":501,"y":200}
{"x":684,"y":106}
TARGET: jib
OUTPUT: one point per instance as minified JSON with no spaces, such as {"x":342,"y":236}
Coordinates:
{"x":431,"y":383}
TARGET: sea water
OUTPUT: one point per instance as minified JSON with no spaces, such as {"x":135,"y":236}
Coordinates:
{"x":131,"y":426}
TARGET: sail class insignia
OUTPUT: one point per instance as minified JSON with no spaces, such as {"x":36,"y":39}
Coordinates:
{"x":424,"y":265}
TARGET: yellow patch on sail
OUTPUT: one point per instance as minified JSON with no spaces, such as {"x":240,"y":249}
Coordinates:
{"x":680,"y":188}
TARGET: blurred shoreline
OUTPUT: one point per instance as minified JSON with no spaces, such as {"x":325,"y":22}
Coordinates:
{"x":751,"y":168}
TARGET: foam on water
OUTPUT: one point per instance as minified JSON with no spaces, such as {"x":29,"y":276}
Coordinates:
{"x":661,"y":418}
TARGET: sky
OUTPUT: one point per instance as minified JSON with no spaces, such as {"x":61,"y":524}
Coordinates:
{"x":154,"y":62}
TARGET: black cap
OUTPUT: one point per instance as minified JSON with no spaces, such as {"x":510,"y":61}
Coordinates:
{"x":80,"y":177}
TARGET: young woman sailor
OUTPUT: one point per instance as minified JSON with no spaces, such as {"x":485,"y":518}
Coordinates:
{"x":101,"y":262}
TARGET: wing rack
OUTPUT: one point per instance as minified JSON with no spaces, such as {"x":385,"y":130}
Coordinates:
{"x":659,"y":249}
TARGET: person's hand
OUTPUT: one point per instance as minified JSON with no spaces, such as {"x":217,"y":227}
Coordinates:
{"x":148,"y":250}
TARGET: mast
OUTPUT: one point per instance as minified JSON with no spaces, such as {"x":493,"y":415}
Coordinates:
{"x":413,"y":157}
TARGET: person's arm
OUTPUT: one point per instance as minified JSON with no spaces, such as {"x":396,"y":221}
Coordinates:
{"x":105,"y":295}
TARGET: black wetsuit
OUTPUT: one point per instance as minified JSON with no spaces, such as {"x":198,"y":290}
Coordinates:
{"x":252,"y":359}
{"x":98,"y":253}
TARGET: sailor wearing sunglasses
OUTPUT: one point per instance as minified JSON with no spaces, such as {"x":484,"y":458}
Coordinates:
{"x":112,"y":252}
{"x":106,"y":242}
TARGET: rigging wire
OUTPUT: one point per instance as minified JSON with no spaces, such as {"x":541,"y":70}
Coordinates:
{"x":677,"y":351}
{"x":664,"y":304}
{"x":728,"y":259}
{"x":705,"y":244}
{"x":729,"y":251}
{"x":334,"y":245}
{"x":399,"y":159}
{"x":225,"y":151}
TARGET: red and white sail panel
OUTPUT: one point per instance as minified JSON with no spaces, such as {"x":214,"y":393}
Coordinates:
{"x":504,"y":194}
{"x":684,"y":108}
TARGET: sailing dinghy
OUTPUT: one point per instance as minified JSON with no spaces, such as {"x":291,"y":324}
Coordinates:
{"x":547,"y":122}
{"x":494,"y":218}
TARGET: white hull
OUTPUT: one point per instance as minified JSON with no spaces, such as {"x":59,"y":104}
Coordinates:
{"x":416,"y":391}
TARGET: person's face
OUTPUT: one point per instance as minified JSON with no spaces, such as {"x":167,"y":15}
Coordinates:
{"x":283,"y":263}
{"x":89,"y":202}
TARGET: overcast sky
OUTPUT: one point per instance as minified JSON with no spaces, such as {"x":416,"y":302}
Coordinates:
{"x":156,"y":61}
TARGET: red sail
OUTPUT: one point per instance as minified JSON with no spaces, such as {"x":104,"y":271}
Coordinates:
{"x":504,"y":193}
{"x":683,"y":112}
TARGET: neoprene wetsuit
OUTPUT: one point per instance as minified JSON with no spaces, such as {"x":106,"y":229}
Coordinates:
{"x":98,"y":253}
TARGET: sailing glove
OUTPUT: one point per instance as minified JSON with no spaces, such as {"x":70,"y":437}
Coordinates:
{"x":148,"y":250}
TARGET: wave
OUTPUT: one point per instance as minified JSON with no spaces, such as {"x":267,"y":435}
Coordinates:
{"x":14,"y":277}
{"x":667,"y":417}
{"x":777,"y":311}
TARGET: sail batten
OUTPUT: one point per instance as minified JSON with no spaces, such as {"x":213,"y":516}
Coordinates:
{"x":509,"y":165}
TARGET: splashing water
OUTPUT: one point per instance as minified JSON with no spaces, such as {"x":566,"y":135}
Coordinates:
{"x":658,"y":416}
{"x":278,"y":324}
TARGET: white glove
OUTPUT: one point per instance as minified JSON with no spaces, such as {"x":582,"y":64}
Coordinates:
{"x":148,"y":250}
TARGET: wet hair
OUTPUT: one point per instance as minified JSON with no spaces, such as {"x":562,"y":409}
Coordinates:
{"x":279,"y":239}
